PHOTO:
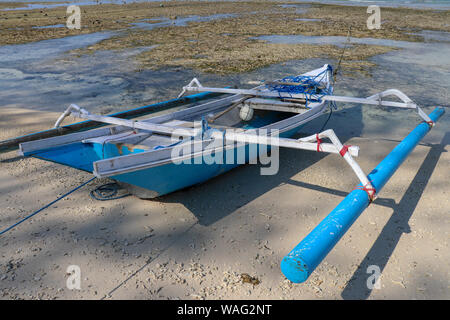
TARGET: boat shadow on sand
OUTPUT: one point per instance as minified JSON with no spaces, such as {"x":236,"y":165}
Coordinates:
{"x":216,"y":198}
{"x":398,"y":224}
{"x":244,"y":184}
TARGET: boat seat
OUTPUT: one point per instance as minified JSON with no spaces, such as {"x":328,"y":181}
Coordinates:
{"x":276,"y":105}
{"x":123,"y":137}
{"x":183,"y":124}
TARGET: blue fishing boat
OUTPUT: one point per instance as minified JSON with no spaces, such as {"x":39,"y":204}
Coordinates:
{"x":142,"y":159}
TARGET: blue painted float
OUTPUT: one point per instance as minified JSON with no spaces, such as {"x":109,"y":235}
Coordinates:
{"x":308,"y":254}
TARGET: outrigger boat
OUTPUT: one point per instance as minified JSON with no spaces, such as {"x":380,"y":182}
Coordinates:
{"x":145,"y":156}
{"x":139,"y":154}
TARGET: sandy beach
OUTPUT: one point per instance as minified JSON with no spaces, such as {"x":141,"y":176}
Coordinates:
{"x":198,"y":242}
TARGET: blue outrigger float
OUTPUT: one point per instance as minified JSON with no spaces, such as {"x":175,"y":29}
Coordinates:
{"x":165,"y":153}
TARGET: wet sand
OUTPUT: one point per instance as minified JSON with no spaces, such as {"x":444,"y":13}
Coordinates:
{"x":196,"y":243}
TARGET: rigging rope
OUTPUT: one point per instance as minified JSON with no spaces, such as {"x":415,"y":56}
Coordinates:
{"x":335,"y":73}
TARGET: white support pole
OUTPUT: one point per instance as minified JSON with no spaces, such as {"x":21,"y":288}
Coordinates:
{"x":372,"y":100}
{"x":397,"y":93}
{"x":308,"y":143}
{"x":273,"y":94}
{"x":330,"y":134}
{"x":84,"y":114}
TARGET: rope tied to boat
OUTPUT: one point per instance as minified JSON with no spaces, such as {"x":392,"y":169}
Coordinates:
{"x":107,"y":191}
{"x":319,"y":141}
{"x":370,"y":190}
{"x":430,"y":123}
{"x":344,"y":149}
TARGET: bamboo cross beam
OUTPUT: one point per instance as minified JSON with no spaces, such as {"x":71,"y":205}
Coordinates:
{"x":251,"y":137}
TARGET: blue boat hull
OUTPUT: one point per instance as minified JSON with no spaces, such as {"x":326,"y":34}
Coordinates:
{"x":156,"y":181}
{"x":171,"y":177}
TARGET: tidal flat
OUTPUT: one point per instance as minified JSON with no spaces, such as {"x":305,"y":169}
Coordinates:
{"x":227,"y":42}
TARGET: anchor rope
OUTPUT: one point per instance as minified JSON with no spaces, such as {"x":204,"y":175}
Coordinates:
{"x":335,"y":73}
{"x":329,"y":115}
{"x":46,"y":206}
{"x":430,"y":123}
{"x":107,"y":191}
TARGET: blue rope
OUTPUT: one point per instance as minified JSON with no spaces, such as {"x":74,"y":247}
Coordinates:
{"x":205,"y":128}
{"x":310,"y":86}
{"x":168,"y":146}
{"x":46,"y":206}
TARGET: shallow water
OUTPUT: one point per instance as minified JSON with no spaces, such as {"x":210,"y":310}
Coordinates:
{"x":340,"y":41}
{"x":108,"y":80}
{"x":46,"y":49}
{"x":429,"y":4}
{"x":95,"y":81}
{"x":308,"y":19}
{"x":180,"y":21}
{"x":47,"y":3}
{"x":51,"y":26}
{"x":41,"y":75}
{"x":299,"y":8}
{"x":430,"y":35}
{"x":418,"y":4}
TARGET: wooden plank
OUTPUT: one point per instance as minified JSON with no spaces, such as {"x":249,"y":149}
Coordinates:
{"x":29,"y":147}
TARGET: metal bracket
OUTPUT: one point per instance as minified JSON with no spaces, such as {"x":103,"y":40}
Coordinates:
{"x":191,"y":84}
{"x":72,"y":109}
{"x":345,"y":152}
{"x":407,"y":100}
